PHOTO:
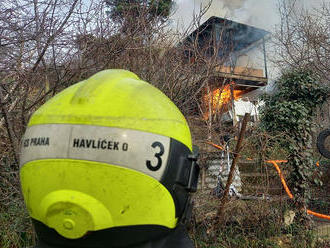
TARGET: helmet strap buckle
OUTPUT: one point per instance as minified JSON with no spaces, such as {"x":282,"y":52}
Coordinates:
{"x":188,"y":171}
{"x":194,"y":173}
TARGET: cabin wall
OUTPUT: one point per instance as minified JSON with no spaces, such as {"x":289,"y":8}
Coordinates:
{"x":251,"y":58}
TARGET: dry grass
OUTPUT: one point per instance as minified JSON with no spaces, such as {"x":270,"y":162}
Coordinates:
{"x":248,"y":224}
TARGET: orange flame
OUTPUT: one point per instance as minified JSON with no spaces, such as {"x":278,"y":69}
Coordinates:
{"x":220,"y":97}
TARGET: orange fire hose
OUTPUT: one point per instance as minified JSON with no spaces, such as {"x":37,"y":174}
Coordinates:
{"x":287,"y":190}
{"x":285,"y":186}
{"x":274,"y":162}
{"x":215,"y":145}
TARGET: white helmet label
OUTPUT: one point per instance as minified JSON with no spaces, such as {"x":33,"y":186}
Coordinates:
{"x":137,"y":150}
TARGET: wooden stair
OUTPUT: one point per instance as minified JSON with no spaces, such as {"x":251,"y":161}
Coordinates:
{"x":256,"y":179}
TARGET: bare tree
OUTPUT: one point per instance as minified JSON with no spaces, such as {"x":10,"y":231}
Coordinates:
{"x":302,"y":39}
{"x":36,"y":56}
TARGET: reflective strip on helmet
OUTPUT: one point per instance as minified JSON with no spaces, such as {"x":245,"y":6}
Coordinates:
{"x":137,"y":150}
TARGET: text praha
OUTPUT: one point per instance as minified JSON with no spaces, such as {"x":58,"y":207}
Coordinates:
{"x":37,"y":141}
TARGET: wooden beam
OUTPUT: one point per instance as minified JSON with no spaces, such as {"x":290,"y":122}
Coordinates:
{"x":261,"y":80}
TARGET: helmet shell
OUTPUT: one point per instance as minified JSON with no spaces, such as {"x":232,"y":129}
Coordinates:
{"x":94,"y":156}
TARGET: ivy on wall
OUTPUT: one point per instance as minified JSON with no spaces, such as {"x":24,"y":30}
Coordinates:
{"x":289,"y":113}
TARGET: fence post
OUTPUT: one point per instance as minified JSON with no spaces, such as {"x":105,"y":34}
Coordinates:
{"x":224,"y":199}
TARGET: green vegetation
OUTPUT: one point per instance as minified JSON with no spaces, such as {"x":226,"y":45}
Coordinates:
{"x":129,"y":11}
{"x":289,"y":113}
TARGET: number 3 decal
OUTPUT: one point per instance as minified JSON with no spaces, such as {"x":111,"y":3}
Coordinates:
{"x":157,"y":155}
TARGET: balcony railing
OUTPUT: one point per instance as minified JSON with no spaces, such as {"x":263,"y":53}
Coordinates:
{"x":240,"y":72}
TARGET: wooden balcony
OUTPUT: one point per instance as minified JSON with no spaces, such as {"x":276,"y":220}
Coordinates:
{"x":243,"y":73}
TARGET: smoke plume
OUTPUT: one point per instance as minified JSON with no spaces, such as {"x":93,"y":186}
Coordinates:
{"x":259,"y":13}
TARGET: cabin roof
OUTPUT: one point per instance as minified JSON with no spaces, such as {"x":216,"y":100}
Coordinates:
{"x":240,"y":35}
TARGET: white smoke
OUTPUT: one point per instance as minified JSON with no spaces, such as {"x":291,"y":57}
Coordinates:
{"x":259,"y":13}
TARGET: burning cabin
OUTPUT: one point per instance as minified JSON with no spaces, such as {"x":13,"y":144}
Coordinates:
{"x":236,"y":54}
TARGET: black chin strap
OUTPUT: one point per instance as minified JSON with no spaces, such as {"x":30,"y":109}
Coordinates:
{"x":178,"y":238}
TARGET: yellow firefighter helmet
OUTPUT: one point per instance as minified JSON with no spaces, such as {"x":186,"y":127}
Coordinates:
{"x":107,"y":156}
